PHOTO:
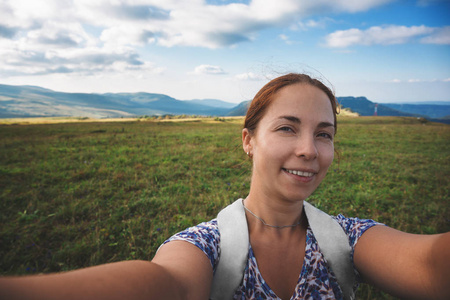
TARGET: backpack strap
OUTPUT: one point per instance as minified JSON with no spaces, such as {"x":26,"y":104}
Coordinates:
{"x":334,"y":245}
{"x":234,"y":242}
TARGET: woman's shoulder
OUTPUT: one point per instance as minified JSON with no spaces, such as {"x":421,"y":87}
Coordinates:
{"x":355,"y":227}
{"x":208,"y":230}
{"x":205,"y":236}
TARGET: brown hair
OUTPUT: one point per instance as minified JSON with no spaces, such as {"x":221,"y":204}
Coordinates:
{"x":265,"y":96}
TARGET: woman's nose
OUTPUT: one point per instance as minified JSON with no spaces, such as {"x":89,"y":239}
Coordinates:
{"x":306,"y":148}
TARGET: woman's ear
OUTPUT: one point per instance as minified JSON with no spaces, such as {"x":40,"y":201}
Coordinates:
{"x":246,"y":141}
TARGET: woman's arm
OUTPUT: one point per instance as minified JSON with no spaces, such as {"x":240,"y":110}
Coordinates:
{"x":169,"y":276}
{"x":405,"y":265}
{"x":189,"y":266}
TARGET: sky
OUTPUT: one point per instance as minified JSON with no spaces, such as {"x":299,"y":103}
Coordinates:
{"x":386,"y":50}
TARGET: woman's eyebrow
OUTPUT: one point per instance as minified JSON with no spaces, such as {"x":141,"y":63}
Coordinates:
{"x":298,"y":121}
{"x":291,"y":118}
{"x":325,"y":124}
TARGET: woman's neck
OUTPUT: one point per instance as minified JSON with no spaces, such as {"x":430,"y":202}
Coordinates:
{"x":273,"y":213}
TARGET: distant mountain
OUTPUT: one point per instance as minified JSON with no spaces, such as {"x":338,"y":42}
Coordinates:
{"x":434,"y":111}
{"x":35,"y":101}
{"x":32,"y":101}
{"x":360,"y":105}
{"x":426,"y":102}
{"x":364,"y":107}
{"x":240,"y":110}
{"x":213,"y":103}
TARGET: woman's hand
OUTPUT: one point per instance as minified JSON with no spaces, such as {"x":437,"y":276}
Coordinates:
{"x":179,"y":271}
{"x":405,"y":265}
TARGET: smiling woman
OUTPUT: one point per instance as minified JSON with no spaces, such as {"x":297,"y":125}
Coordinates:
{"x":289,"y":136}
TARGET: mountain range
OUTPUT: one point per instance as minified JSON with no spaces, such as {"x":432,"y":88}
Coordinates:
{"x":32,"y":101}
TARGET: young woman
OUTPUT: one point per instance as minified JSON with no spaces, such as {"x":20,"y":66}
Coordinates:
{"x":288,"y":134}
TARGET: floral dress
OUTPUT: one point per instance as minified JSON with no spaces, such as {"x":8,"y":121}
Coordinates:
{"x":316,"y":280}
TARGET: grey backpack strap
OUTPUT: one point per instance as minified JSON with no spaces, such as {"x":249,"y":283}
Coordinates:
{"x":333,"y":243}
{"x":233,"y":245}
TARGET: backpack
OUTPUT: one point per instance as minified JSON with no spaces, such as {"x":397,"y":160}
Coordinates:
{"x":234,"y":242}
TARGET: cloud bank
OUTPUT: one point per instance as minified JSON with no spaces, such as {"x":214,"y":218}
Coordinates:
{"x":84,"y":36}
{"x":208,"y":69}
{"x":388,"y":35}
{"x":88,"y":37}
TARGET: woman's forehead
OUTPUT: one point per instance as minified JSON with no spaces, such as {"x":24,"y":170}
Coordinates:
{"x":301,"y":100}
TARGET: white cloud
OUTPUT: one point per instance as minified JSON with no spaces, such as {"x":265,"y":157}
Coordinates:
{"x":285,"y":39}
{"x":47,"y":37}
{"x":126,"y":35}
{"x":88,"y":61}
{"x":377,"y":35}
{"x":208,"y":69}
{"x":440,"y":36}
{"x":416,"y":80}
{"x":337,"y":6}
{"x":29,"y":13}
{"x":85,"y":36}
{"x":189,"y":23}
{"x":58,"y":35}
{"x":250,"y":76}
{"x":307,"y":24}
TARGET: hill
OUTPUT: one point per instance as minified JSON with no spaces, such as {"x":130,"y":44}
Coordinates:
{"x":32,"y":101}
{"x":436,"y":111}
{"x":213,"y":103}
{"x":364,"y":107}
{"x":240,"y":110}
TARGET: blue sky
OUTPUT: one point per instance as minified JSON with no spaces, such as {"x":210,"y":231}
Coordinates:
{"x":386,"y":50}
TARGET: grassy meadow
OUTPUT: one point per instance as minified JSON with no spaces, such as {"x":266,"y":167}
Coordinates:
{"x":80,"y":194}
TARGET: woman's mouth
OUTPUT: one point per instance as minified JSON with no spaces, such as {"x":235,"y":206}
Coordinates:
{"x":300,"y":173}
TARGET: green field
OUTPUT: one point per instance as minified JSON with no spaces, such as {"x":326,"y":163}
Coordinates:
{"x":80,"y":194}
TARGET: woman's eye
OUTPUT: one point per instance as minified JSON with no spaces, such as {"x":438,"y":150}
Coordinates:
{"x":325,"y":135}
{"x":286,"y":129}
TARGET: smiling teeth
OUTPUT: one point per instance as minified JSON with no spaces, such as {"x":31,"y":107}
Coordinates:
{"x":300,"y":173}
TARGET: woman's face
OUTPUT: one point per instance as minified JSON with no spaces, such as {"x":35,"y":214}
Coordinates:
{"x":292,"y":146}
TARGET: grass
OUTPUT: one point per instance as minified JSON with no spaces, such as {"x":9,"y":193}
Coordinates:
{"x":80,"y":194}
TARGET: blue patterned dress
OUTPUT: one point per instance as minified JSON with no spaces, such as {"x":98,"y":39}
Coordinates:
{"x":316,"y":280}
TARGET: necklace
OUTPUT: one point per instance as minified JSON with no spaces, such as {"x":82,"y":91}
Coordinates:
{"x":273,"y":226}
